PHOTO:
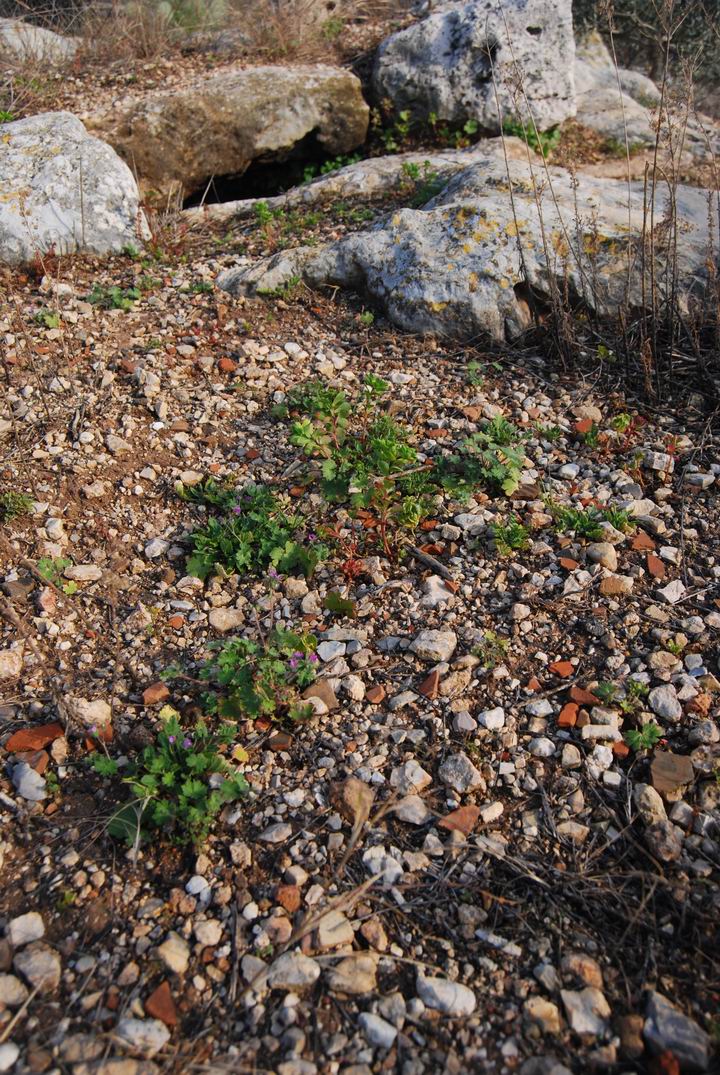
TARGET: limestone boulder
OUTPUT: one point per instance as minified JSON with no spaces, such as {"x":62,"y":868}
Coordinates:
{"x":63,"y":191}
{"x":26,"y":43}
{"x":177,"y":140}
{"x":466,"y":262}
{"x":467,"y":61}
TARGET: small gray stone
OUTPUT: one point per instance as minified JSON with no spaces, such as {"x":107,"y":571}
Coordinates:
{"x":459,"y":773}
{"x":667,"y":1028}
{"x":148,"y":1036}
{"x":175,"y":953}
{"x":663,"y":700}
{"x":376,"y":1030}
{"x":587,"y":1010}
{"x":29,"y":784}
{"x":40,"y":966}
{"x":450,"y":998}
{"x":9,"y":1053}
{"x":293,"y":970}
{"x":12,"y":991}
{"x":277,"y":833}
{"x":25,"y":928}
{"x":434,"y":646}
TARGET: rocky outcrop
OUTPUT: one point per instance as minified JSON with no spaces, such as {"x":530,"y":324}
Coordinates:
{"x":620,"y":103}
{"x":412,"y":174}
{"x":465,"y":263}
{"x":64,"y":191}
{"x":177,"y":140}
{"x":483,"y":61}
{"x":34,"y":43}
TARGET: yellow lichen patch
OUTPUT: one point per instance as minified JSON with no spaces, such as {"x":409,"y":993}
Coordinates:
{"x":560,"y":245}
{"x":437,"y":307}
{"x":504,"y":283}
{"x":514,"y":228}
{"x":473,"y":281}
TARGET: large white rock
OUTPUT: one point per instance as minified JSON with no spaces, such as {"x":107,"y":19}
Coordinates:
{"x":216,"y":126}
{"x":467,"y":59}
{"x":617,"y":102}
{"x":25,"y":42}
{"x":464,"y":263}
{"x":64,"y":191}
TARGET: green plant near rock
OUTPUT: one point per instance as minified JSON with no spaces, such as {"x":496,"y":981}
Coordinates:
{"x":541,"y":141}
{"x":264,"y":678}
{"x":48,"y":318}
{"x":423,"y":182}
{"x":330,"y":166}
{"x":13,"y":504}
{"x":511,"y":537}
{"x":114,"y":298}
{"x":492,"y":457}
{"x":52,"y":571}
{"x":587,"y":522}
{"x":255,"y":531}
{"x":366,"y":459}
{"x":645,"y":738}
{"x":179,"y":784}
{"x":492,"y":650}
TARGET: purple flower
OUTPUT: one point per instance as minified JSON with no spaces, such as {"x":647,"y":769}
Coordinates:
{"x":187,"y":742}
{"x":295,"y":660}
{"x":171,"y":739}
{"x":312,"y":537}
{"x":313,"y":657}
{"x":273,"y":573}
{"x":93,"y":729}
{"x":237,"y":510}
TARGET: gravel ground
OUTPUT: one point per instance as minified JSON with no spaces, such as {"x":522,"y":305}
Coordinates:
{"x":458,"y":864}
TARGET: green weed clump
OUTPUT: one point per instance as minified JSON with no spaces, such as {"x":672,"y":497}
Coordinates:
{"x":255,"y":532}
{"x":587,"y":522}
{"x":179,"y":784}
{"x":541,"y":141}
{"x":265,"y":678}
{"x":511,"y":537}
{"x":367,"y":460}
{"x":13,"y":504}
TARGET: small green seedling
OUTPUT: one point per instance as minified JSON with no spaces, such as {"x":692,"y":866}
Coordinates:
{"x":646,"y":738}
{"x":492,"y":650}
{"x":52,"y":571}
{"x":511,"y":537}
{"x":266,"y":678}
{"x":14,"y":504}
{"x":179,"y":783}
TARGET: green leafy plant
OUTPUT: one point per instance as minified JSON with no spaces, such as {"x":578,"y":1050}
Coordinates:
{"x":14,"y":504}
{"x":492,"y":650}
{"x":114,"y":298}
{"x":645,"y":738}
{"x":48,"y":318}
{"x":5,"y":116}
{"x":179,"y":784}
{"x":543,"y":141}
{"x":265,"y":678}
{"x":282,"y":226}
{"x":492,"y":457}
{"x":256,"y":532}
{"x":52,"y":571}
{"x":366,"y":459}
{"x":284,"y":291}
{"x":550,"y":433}
{"x":334,"y":164}
{"x":587,"y":522}
{"x":332,"y":28}
{"x":424,"y":182}
{"x":511,"y":537}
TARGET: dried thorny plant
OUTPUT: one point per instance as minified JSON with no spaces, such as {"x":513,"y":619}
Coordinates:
{"x":656,"y":338}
